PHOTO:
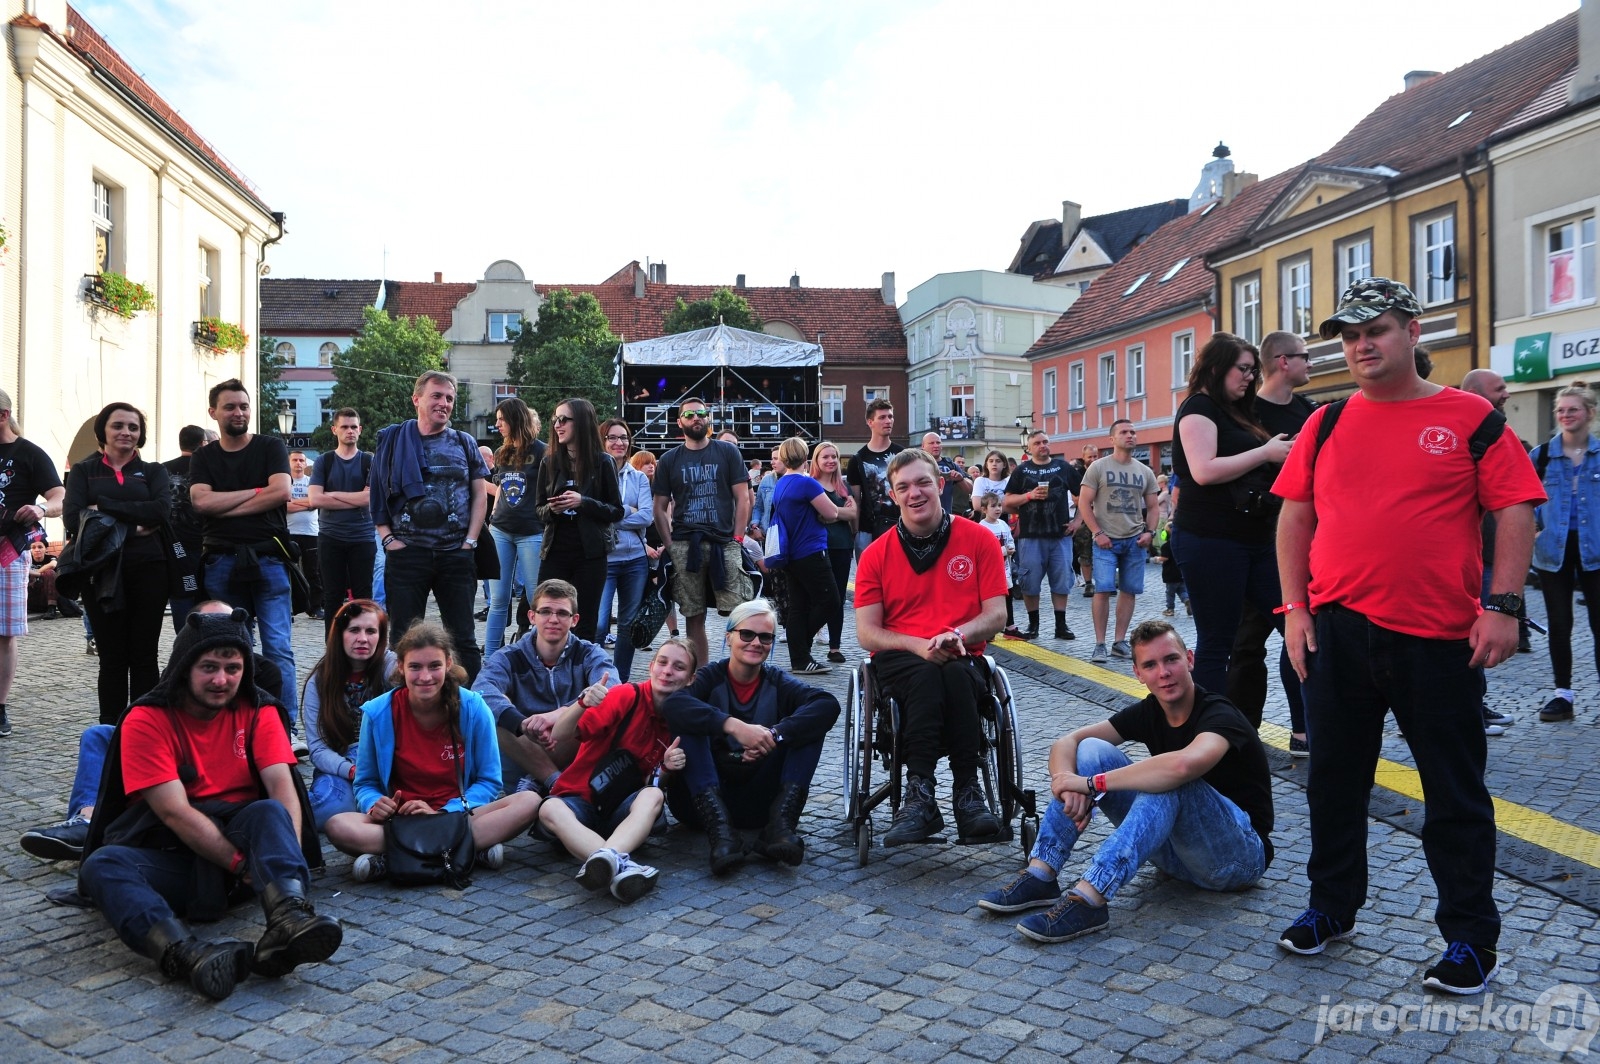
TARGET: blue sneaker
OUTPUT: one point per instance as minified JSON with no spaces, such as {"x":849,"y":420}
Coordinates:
{"x":1464,"y":969}
{"x":1312,"y":931}
{"x":1026,"y":891}
{"x":1071,"y":916}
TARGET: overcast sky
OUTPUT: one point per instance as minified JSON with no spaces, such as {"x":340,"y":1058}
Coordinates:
{"x":839,"y":140}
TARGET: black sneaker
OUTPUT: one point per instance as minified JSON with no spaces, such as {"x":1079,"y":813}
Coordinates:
{"x":811,"y":668}
{"x":1032,"y":632}
{"x":1065,"y":633}
{"x":1557,"y":708}
{"x":837,"y":657}
{"x":1299,"y":747}
{"x":1464,"y":969}
{"x":919,"y":818}
{"x":1311,"y":933}
{"x":5,"y":724}
{"x":58,"y":842}
{"x":975,"y":821}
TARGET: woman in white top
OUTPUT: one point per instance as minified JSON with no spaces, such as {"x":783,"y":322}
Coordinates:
{"x":993,"y":482}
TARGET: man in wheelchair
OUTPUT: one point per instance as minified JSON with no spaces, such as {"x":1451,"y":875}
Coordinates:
{"x":928,"y":597}
{"x":1199,"y":807}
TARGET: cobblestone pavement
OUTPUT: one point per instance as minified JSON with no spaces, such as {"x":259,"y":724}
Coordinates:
{"x":828,"y":961}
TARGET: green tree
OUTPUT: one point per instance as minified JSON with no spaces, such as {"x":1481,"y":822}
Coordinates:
{"x":376,"y":373}
{"x":269,"y":383}
{"x":569,"y":351}
{"x":724,"y":305}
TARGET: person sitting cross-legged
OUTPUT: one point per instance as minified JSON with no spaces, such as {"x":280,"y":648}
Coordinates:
{"x":1199,"y":808}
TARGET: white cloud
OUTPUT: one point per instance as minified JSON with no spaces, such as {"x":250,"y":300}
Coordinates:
{"x":836,"y":140}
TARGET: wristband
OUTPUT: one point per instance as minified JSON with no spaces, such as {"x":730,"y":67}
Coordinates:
{"x":1288,"y":606}
{"x":1100,"y":783}
{"x":257,"y":491}
{"x":738,"y":539}
{"x":236,"y":864}
{"x":390,"y":538}
{"x":958,"y":634}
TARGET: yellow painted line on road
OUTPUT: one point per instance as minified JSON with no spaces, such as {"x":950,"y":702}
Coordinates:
{"x":1518,"y":821}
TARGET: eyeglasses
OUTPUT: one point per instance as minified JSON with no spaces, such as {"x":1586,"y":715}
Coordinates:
{"x":690,"y":415}
{"x":750,"y":635}
{"x":614,"y":438}
{"x":546,"y":613}
{"x":1246,"y":369}
{"x":1297,"y":354}
{"x":563,"y":419}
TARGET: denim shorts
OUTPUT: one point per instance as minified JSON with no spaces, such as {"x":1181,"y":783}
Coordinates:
{"x":1119,"y":567}
{"x":1039,"y":559}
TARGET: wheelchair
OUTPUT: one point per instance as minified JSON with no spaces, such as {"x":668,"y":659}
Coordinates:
{"x":872,"y":734}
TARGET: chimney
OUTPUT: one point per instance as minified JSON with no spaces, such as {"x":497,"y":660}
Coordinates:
{"x":638,"y":284}
{"x":738,"y":282}
{"x":438,"y":277}
{"x":1417,"y":77}
{"x":888,"y":288}
{"x":1071,"y":218}
{"x":1586,"y":79}
{"x":794,"y":280}
{"x":1235,"y":182}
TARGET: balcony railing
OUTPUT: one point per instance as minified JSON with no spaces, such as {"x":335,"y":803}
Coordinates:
{"x":957,"y":428}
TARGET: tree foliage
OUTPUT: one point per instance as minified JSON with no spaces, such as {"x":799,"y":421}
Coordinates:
{"x":269,"y":383}
{"x":376,"y":373}
{"x":570,"y":351}
{"x":724,"y":305}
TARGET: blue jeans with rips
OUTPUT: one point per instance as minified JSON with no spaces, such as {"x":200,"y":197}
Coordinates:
{"x":270,"y":602}
{"x":519,"y":564}
{"x":1192,"y":833}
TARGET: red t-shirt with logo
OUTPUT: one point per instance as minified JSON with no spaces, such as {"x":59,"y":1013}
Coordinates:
{"x":424,"y":758}
{"x":1399,"y":504}
{"x":152,"y":751}
{"x":969,"y":570}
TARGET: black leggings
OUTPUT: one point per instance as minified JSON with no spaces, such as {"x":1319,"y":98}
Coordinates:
{"x":564,"y":560}
{"x":839,"y":558}
{"x":1558,"y":587}
{"x":812,"y":600}
{"x":127,"y":640}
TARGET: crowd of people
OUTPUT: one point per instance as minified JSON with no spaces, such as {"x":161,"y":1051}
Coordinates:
{"x":548,"y":733}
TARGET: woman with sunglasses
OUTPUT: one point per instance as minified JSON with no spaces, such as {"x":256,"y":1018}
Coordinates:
{"x":627,"y":564}
{"x":578,"y":500}
{"x":752,"y":736}
{"x":1222,"y":535}
{"x":354,"y":670}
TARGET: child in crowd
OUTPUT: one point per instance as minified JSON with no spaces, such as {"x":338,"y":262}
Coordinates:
{"x":1171,"y":575}
{"x":994,"y":519}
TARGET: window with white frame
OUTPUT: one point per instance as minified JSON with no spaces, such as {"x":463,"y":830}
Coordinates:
{"x":1569,"y":263}
{"x":210,"y":262}
{"x":107,"y":211}
{"x":1355,"y":261}
{"x":1047,"y":383}
{"x":962,"y":397}
{"x":1434,"y":239}
{"x":1246,"y":309}
{"x":871,"y":394}
{"x":1108,"y":378}
{"x":1075,"y":398}
{"x":1136,"y":370}
{"x":326,"y":352}
{"x":1294,"y":295}
{"x":503,"y":325}
{"x":285,"y":353}
{"x":326,"y":412}
{"x":1182,"y":358}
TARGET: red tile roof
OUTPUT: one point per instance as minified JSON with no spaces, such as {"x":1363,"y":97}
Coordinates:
{"x":855,"y":324}
{"x":1105,"y":309}
{"x":86,"y":41}
{"x":436,"y":299}
{"x":305,"y":304}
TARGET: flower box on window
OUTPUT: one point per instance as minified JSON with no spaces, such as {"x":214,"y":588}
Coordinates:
{"x":117,"y":294}
{"x":220,"y":335}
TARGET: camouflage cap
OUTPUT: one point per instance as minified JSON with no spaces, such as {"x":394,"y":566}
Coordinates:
{"x":1368,"y":298}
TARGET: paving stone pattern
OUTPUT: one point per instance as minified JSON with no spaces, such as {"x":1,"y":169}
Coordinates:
{"x":828,"y":961}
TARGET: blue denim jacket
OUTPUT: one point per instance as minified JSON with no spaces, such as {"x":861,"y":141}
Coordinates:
{"x":1555,"y":516}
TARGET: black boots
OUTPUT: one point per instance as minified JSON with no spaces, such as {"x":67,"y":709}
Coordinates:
{"x":780,"y":839}
{"x":295,"y":933}
{"x":919,"y":818}
{"x":213,"y":968}
{"x":727,"y":852}
{"x":975,"y":821}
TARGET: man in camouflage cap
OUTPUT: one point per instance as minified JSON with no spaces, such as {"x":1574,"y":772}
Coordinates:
{"x":1368,"y":299}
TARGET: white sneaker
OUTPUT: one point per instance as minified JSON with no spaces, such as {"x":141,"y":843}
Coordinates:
{"x":633,"y":881}
{"x":298,"y":743}
{"x":369,"y":866}
{"x":493,"y":857}
{"x":600,"y":870}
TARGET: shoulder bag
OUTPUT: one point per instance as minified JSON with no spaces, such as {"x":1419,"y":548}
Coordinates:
{"x":617,"y":775}
{"x":431,"y":848}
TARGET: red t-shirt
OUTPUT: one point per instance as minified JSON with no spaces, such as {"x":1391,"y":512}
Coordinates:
{"x":970,"y":569}
{"x":424,"y":758}
{"x":152,"y":752}
{"x":647,"y":738}
{"x":1399,"y":504}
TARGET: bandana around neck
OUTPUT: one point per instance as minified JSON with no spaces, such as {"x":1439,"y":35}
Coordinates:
{"x":923,"y":551}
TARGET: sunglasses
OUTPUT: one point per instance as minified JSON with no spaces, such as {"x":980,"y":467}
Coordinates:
{"x":691,"y":415}
{"x":563,"y":419}
{"x":749,"y":636}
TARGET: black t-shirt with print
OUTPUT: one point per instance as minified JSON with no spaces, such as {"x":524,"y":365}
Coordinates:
{"x":1045,"y":518}
{"x":242,"y":470}
{"x":700,"y":484}
{"x":514,"y":512}
{"x":869,"y":475}
{"x":26,"y":473}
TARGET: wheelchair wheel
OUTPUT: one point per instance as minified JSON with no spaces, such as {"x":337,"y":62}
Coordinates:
{"x":854,"y":713}
{"x":863,"y":842}
{"x":1008,"y":745}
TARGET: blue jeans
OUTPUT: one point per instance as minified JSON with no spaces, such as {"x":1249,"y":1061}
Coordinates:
{"x":137,"y":888}
{"x":1360,"y":673}
{"x":270,"y":602}
{"x":1192,"y":833}
{"x":92,"y":747}
{"x":1119,"y":567}
{"x":519,"y":563}
{"x":379,"y":562}
{"x":748,"y":790}
{"x":330,"y":795}
{"x":625,"y":579}
{"x":1221,"y":575}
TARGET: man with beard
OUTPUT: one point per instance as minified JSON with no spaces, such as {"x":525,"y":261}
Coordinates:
{"x":928,"y":598}
{"x":1040,"y":493}
{"x":240,"y":489}
{"x":702,"y":521}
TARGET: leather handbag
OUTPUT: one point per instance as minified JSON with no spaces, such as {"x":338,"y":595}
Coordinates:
{"x":618,"y":775}
{"x":425,"y":849}
{"x":653,"y":607}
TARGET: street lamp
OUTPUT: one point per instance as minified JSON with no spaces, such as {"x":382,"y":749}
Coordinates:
{"x":286,"y":415}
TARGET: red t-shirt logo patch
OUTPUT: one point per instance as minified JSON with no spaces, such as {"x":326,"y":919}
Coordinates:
{"x":960,"y":568}
{"x":238,"y":744}
{"x":1436,"y":439}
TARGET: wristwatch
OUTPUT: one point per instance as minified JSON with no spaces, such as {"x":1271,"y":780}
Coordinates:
{"x":471,"y":544}
{"x":1510,"y":603}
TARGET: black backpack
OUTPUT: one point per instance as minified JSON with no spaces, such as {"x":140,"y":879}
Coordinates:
{"x":1478,"y":444}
